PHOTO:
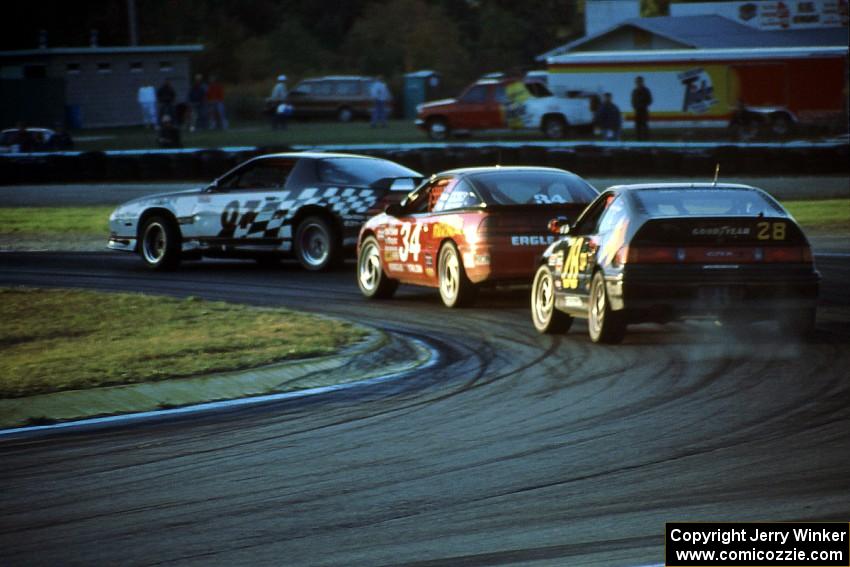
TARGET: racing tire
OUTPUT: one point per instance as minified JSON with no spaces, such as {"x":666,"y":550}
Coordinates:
{"x":438,"y":130}
{"x":546,"y":318}
{"x":316,"y":245}
{"x":159,"y":243}
{"x":344,"y":114}
{"x":455,"y":288}
{"x":604,"y":325}
{"x":554,"y":127}
{"x":799,"y":323}
{"x":371,"y":279}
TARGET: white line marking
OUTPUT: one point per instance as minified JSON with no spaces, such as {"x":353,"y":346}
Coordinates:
{"x":210,"y":406}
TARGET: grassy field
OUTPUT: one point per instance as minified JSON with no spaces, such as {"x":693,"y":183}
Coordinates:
{"x":827,"y":214}
{"x":258,"y":133}
{"x":46,"y":222}
{"x":57,"y":340}
{"x":33,"y":221}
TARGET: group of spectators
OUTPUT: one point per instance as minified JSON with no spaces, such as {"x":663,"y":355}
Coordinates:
{"x":609,"y":120}
{"x":203,"y":109}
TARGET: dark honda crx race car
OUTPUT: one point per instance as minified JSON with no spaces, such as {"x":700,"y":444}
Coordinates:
{"x":661,"y":252}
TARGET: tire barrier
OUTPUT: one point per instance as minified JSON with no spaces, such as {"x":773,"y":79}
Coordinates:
{"x":583,"y":158}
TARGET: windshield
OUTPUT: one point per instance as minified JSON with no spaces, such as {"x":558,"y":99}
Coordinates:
{"x":532,"y":188}
{"x":359,"y":171}
{"x":686,"y":201}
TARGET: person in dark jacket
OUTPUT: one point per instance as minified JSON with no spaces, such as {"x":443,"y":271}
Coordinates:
{"x":608,"y":118}
{"x":641,"y":101}
{"x":165,"y":97}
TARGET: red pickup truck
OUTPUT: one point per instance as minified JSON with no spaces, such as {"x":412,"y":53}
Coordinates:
{"x":504,"y":104}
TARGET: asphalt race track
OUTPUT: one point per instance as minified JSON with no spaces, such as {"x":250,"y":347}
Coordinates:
{"x":515,"y":449}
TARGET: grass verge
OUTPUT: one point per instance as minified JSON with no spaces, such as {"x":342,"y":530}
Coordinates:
{"x":316,"y":132}
{"x":823,"y":215}
{"x":61,"y":223}
{"x":31,"y":221}
{"x":59,"y":340}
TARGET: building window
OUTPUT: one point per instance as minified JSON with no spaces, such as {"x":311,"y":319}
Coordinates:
{"x":166,"y":66}
{"x":104,"y":67}
{"x":136,"y":67}
{"x":72,"y":68}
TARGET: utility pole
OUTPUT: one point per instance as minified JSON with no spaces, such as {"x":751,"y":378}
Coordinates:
{"x":131,"y":15}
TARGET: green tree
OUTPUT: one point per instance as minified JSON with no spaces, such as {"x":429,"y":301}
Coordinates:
{"x":400,"y":36}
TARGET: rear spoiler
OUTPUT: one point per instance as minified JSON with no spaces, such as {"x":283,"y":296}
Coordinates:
{"x":404,"y":183}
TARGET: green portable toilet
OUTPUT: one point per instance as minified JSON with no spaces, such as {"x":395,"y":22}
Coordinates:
{"x":419,"y":86}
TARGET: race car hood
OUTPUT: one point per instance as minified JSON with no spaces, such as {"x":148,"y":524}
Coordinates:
{"x":438,"y":103}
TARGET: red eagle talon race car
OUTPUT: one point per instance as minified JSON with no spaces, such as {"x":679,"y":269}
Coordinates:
{"x":661,"y":252}
{"x":465,"y":228}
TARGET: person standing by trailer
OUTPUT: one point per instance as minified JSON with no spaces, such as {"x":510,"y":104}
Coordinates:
{"x":608,"y":118}
{"x":641,"y":101}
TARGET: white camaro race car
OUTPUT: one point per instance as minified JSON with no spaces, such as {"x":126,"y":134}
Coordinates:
{"x":306,"y":205}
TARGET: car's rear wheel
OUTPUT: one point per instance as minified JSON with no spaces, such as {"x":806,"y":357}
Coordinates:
{"x":554,"y":127}
{"x":438,"y":129}
{"x":344,"y":114}
{"x":780,"y":124}
{"x":159,"y":245}
{"x":455,"y":288}
{"x":371,"y":279}
{"x":316,"y":245}
{"x":604,"y":325}
{"x":546,"y":318}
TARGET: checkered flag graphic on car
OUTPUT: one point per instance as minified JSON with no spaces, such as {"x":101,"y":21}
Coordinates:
{"x":268,"y":220}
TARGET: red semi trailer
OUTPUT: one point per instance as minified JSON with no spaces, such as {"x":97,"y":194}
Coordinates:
{"x":786,"y":87}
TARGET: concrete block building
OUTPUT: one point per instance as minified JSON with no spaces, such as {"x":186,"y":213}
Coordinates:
{"x":87,"y":87}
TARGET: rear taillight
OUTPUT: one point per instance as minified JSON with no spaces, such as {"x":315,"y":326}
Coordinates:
{"x":788,"y":254}
{"x":650,"y":255}
{"x":712,"y":255}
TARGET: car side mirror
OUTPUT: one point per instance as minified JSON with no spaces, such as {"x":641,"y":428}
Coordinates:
{"x":559,"y":225}
{"x":393,"y":209}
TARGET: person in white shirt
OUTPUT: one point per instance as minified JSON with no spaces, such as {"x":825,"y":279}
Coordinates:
{"x":380,"y":96}
{"x":275,"y":103}
{"x":147,"y":101}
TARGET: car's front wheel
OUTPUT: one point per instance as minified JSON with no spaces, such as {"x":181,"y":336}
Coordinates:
{"x":547,"y":319}
{"x":316,"y":245}
{"x":371,"y":279}
{"x":455,"y":288}
{"x":159,"y":245}
{"x":604,"y":325}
